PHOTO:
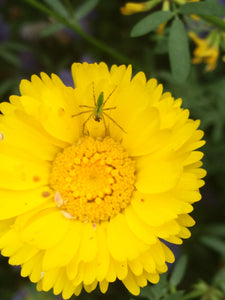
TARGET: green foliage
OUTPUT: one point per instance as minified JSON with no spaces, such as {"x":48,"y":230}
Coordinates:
{"x":214,"y":243}
{"x":84,"y":9}
{"x":58,"y":7}
{"x":178,"y":271}
{"x":203,"y":8}
{"x":179,"y":51}
{"x":150,"y":23}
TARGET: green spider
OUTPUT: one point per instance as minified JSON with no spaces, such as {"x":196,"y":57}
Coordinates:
{"x":98,"y":111}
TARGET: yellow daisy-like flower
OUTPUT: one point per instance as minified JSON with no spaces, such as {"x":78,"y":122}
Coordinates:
{"x":93,"y":179}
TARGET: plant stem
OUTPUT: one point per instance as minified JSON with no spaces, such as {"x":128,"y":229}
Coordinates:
{"x":76,"y":27}
{"x":214,"y":20}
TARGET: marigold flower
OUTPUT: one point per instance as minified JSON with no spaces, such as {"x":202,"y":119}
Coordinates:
{"x":93,"y":179}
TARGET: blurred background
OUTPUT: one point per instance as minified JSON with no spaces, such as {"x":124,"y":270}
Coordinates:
{"x":49,"y":36}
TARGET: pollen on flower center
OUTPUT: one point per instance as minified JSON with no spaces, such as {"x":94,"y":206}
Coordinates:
{"x":93,"y":179}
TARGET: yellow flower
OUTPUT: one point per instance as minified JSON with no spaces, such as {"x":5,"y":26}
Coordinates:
{"x":131,"y":8}
{"x":93,"y":179}
{"x":205,"y":52}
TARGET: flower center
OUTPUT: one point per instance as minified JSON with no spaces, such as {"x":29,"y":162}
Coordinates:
{"x":93,"y":179}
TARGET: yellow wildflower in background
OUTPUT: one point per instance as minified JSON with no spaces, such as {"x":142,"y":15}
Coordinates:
{"x":131,"y":8}
{"x":93,"y":179}
{"x":205,"y":52}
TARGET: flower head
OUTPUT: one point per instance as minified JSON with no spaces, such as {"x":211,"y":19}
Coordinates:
{"x":205,"y":51}
{"x":93,"y":179}
{"x":131,"y":8}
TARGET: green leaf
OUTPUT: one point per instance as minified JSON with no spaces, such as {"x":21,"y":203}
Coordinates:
{"x":219,"y":279}
{"x":85,"y":8}
{"x":58,"y":7}
{"x":203,"y":8}
{"x":15,"y":46}
{"x":51,"y":29}
{"x":179,"y":54}
{"x":6,"y":86}
{"x":156,"y":291}
{"x":10,"y":57}
{"x":178,"y":271}
{"x":150,"y":23}
{"x":214,"y":243}
{"x":176,"y":296}
{"x":217,"y":229}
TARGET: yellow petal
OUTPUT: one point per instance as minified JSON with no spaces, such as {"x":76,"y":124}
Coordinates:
{"x":120,"y":74}
{"x":91,"y":287}
{"x":89,"y":272}
{"x":153,"y":278}
{"x":88,"y":245}
{"x":21,"y":135}
{"x":10,"y":243}
{"x":138,"y":227}
{"x":23,"y":254}
{"x":166,"y":230}
{"x":122,"y":243}
{"x":102,"y":258}
{"x":5,"y":225}
{"x":184,"y":233}
{"x":32,"y":88}
{"x":186,"y":220}
{"x":56,"y":111}
{"x":155,"y":210}
{"x":53,"y":106}
{"x":183,"y":133}
{"x":103,"y":285}
{"x":121,"y":269}
{"x":78,"y":289}
{"x":63,"y":252}
{"x":32,"y":267}
{"x":189,"y":181}
{"x":142,"y":280}
{"x":49,"y":279}
{"x":45,"y":229}
{"x":19,"y":174}
{"x":157,"y":176}
{"x":60,"y":283}
{"x":149,"y":122}
{"x":187,"y":196}
{"x":72,"y":268}
{"x":148,"y":262}
{"x":68,"y":290}
{"x":14,"y":203}
{"x":170,"y":258}
{"x":85,"y":73}
{"x":131,"y":284}
{"x":111,"y":274}
{"x":136,"y":267}
{"x":194,"y":156}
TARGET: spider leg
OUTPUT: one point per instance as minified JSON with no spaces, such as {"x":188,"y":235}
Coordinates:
{"x":93,"y":88}
{"x":103,"y":118}
{"x":109,"y":108}
{"x":87,"y":106}
{"x":81,"y":113}
{"x":109,"y":96}
{"x":114,"y":122}
{"x":85,"y":122}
